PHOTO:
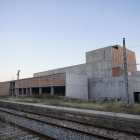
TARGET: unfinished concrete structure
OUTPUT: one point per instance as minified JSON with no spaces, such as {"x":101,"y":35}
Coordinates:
{"x":66,"y":84}
{"x":100,"y":78}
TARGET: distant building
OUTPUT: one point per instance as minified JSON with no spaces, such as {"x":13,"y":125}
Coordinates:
{"x":100,"y":78}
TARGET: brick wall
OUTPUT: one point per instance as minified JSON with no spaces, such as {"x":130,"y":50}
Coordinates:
{"x":26,"y":82}
{"x":118,"y":63}
{"x":4,"y":84}
{"x":4,"y":91}
{"x":35,"y":82}
{"x":119,"y":71}
{"x":45,"y":81}
{"x":116,"y":71}
{"x":4,"y":88}
{"x":117,"y":55}
{"x":59,"y":80}
{"x":53,"y":80}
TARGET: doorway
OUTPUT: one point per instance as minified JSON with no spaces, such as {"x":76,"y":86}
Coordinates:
{"x":136,"y":97}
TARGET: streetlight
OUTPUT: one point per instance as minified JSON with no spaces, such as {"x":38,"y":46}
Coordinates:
{"x":12,"y":87}
{"x":17,"y":92}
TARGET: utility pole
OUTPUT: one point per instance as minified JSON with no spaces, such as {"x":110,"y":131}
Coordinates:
{"x":125,"y":75}
{"x":12,"y":87}
{"x":17,"y":90}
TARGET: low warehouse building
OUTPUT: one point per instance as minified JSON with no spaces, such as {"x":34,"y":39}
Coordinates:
{"x":100,"y":78}
{"x":66,"y":84}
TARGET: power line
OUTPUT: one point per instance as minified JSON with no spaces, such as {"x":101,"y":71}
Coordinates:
{"x":134,"y":46}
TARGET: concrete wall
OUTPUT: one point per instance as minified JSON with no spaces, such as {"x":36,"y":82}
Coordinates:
{"x":134,"y":86}
{"x":73,"y":69}
{"x":111,"y":88}
{"x":76,"y":86}
{"x":98,"y":65}
{"x":99,"y":69}
{"x":99,"y":55}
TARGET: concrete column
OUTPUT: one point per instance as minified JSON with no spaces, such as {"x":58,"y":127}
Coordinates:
{"x":30,"y":91}
{"x":15,"y":91}
{"x":52,"y":90}
{"x":139,"y":97}
{"x":22,"y":92}
{"x":40,"y":90}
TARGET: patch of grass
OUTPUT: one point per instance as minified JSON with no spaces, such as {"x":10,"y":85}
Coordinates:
{"x":47,"y":99}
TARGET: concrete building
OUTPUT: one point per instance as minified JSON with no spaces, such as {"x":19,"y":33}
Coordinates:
{"x":100,"y":78}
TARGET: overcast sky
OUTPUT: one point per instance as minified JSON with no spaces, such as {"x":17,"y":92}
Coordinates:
{"x":40,"y":35}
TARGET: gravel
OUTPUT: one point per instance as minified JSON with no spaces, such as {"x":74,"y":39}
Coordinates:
{"x":69,"y":134}
{"x":9,"y":132}
{"x":50,"y":130}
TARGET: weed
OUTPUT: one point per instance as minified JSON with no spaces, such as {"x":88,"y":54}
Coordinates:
{"x":55,"y":100}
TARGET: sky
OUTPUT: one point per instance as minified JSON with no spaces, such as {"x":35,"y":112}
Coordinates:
{"x":40,"y":35}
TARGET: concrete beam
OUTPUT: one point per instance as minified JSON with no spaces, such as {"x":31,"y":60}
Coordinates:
{"x":52,"y":90}
{"x":30,"y":91}
{"x":15,"y":91}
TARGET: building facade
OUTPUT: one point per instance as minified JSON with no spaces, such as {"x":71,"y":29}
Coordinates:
{"x":100,"y":78}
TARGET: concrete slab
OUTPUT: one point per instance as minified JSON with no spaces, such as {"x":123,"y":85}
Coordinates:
{"x":129,"y":117}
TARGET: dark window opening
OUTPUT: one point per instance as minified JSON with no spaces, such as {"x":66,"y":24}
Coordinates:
{"x":46,"y":90}
{"x":136,"y":97}
{"x":60,"y":91}
{"x":20,"y":91}
{"x":24,"y":91}
{"x":35,"y":91}
{"x":12,"y":84}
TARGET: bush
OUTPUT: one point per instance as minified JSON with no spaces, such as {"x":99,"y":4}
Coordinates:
{"x":2,"y":97}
